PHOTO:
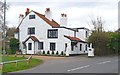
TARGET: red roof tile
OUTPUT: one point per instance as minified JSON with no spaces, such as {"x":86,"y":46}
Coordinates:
{"x":52,"y":23}
{"x":73,"y":38}
{"x":32,"y":37}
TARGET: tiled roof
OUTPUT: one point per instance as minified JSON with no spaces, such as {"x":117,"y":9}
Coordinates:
{"x":73,"y":38}
{"x":32,"y":37}
{"x":51,"y":23}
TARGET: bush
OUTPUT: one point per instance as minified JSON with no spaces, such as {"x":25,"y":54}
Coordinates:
{"x":62,"y":53}
{"x":43,"y":52}
{"x":48,"y":52}
{"x":52,"y":52}
{"x":14,"y":45}
{"x":100,"y":41}
{"x":57,"y":53}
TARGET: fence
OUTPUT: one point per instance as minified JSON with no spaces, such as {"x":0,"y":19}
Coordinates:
{"x":16,"y":61}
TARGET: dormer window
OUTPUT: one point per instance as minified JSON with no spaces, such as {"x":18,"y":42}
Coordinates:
{"x":31,"y":16}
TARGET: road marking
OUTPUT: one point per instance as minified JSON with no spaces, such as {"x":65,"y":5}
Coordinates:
{"x":104,"y":62}
{"x":78,"y":68}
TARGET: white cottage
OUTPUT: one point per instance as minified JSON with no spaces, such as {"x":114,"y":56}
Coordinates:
{"x":37,"y":33}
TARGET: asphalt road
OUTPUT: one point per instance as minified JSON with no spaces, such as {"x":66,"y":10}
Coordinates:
{"x":77,"y":64}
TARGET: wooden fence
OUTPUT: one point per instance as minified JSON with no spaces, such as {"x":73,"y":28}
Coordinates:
{"x":15,"y":62}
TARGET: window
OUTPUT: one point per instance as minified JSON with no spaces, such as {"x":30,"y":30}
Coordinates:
{"x":72,"y":48}
{"x":29,"y":46}
{"x":86,"y":34}
{"x":53,"y":33}
{"x":31,"y":30}
{"x":52,"y":46}
{"x":31,"y":16}
{"x":86,"y":47}
{"x":80,"y":47}
{"x":72,"y":45}
{"x":40,"y":45}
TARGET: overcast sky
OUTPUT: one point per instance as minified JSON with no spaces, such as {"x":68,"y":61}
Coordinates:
{"x":79,"y":12}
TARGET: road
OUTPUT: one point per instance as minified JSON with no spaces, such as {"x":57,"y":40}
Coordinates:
{"x":77,"y":64}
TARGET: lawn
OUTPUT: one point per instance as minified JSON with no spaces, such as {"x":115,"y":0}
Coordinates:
{"x":20,"y":66}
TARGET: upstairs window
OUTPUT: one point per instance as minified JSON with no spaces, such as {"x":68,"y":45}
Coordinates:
{"x":53,"y":33}
{"x":31,"y":16}
{"x":31,"y":30}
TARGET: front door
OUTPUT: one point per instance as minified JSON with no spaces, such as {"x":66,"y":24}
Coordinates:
{"x":30,"y":48}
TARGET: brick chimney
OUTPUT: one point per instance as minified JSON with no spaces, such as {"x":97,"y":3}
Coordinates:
{"x":63,"y":20}
{"x":48,"y":14}
{"x":27,"y":11}
{"x":21,"y":16}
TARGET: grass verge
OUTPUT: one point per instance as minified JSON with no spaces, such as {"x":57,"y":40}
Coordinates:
{"x":20,"y":65}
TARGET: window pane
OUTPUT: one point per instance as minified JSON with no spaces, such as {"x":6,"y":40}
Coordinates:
{"x":29,"y":46}
{"x":52,"y":46}
{"x":53,"y":33}
{"x":31,"y":30}
{"x":86,"y":47}
{"x":86,"y":34}
{"x":31,"y":16}
{"x":40,"y":45}
{"x":80,"y":47}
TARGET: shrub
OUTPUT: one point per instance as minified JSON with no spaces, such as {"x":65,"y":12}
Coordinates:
{"x":57,"y":53}
{"x":52,"y":52}
{"x":48,"y":52}
{"x":14,"y":45}
{"x":62,"y":53}
{"x":43,"y":52}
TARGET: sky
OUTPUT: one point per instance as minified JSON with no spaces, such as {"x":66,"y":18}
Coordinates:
{"x":79,"y":12}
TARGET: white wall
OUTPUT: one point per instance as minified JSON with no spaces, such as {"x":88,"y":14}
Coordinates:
{"x":77,"y":49}
{"x":82,"y":34}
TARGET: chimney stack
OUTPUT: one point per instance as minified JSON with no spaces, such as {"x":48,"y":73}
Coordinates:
{"x":63,"y":20}
{"x":21,"y":16}
{"x":27,"y":11}
{"x":48,"y":14}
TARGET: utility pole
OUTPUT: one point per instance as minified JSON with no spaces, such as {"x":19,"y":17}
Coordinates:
{"x":4,"y":32}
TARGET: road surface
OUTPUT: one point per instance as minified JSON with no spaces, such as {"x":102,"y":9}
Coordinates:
{"x":77,"y":64}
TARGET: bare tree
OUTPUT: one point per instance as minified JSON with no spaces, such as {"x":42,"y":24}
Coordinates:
{"x":2,"y":16}
{"x":98,"y":23}
{"x":3,"y":26}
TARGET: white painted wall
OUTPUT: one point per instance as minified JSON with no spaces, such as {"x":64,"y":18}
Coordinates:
{"x":82,"y":34}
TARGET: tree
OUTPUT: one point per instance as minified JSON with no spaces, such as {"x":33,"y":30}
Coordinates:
{"x":10,"y":32}
{"x":114,"y":43}
{"x":2,"y":16}
{"x":100,"y":42}
{"x":14,"y":45}
{"x":98,"y":24}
